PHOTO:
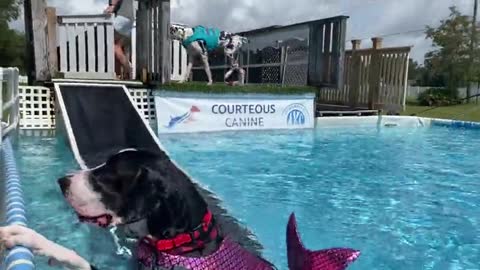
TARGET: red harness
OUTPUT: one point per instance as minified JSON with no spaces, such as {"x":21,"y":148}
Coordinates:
{"x":186,"y":242}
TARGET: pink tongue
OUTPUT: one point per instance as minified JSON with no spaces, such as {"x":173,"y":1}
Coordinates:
{"x":103,"y":221}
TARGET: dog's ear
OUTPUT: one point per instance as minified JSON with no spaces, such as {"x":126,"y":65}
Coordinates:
{"x":129,"y":185}
{"x":168,"y":215}
{"x":142,"y":194}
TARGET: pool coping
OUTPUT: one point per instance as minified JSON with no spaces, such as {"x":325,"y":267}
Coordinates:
{"x":390,"y":121}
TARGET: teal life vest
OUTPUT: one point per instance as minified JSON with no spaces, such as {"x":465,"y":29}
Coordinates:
{"x":210,"y":36}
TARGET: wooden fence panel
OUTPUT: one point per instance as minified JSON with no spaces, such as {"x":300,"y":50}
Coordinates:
{"x":374,"y":78}
{"x":86,"y":46}
{"x":326,"y":52}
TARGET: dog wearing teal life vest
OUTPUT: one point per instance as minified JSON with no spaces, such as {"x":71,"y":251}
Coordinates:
{"x":199,"y":41}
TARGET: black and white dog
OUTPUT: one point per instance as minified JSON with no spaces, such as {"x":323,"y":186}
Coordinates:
{"x":176,"y":225}
{"x":199,"y":41}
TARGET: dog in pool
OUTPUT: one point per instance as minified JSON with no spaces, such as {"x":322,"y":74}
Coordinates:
{"x":160,"y":206}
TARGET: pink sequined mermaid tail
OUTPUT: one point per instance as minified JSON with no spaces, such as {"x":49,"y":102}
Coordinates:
{"x":232,"y":256}
{"x":300,"y":258}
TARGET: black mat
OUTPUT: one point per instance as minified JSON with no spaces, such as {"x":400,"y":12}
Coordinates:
{"x":104,"y":122}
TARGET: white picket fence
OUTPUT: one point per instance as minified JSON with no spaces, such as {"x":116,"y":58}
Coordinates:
{"x":86,"y":48}
{"x":179,"y":61}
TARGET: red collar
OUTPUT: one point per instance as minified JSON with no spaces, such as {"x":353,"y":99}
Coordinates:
{"x":186,"y":242}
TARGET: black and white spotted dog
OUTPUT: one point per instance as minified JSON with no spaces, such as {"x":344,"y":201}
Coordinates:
{"x":199,"y":41}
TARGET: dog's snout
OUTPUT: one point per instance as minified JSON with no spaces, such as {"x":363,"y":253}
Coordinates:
{"x":64,"y":184}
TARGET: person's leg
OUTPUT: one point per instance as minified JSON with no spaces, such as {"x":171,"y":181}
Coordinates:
{"x":118,"y":65}
{"x":122,"y":58}
{"x":123,"y":27}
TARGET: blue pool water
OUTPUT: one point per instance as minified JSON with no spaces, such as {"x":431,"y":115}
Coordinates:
{"x":407,"y":198}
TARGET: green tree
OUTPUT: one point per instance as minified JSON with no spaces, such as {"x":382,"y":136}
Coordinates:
{"x":451,"y":55}
{"x":9,"y":10}
{"x":423,"y":75}
{"x":12,"y":43}
{"x":429,"y":77}
{"x":413,"y":70}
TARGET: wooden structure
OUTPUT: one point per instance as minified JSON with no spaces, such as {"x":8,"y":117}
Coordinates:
{"x":37,"y":40}
{"x":179,"y":61}
{"x":85,"y":46}
{"x":375,"y":78}
{"x":309,"y":52}
{"x":153,"y":46}
{"x":327,"y":52}
{"x":77,"y":47}
{"x":82,"y":46}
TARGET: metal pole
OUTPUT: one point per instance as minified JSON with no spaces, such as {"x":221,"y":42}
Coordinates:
{"x":473,"y":42}
{"x":1,"y":104}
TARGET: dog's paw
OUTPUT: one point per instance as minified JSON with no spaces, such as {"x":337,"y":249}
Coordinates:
{"x":209,"y":83}
{"x":23,"y":236}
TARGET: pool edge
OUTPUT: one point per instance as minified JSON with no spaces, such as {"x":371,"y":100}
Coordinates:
{"x":391,"y":120}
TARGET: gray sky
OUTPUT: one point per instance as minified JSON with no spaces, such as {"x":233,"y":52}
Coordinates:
{"x":368,"y":18}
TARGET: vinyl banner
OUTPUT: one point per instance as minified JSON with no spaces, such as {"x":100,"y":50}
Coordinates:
{"x":209,"y":112}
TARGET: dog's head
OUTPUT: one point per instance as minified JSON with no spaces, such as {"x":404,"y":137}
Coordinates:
{"x":177,"y":32}
{"x":233,"y":44}
{"x":132,"y":186}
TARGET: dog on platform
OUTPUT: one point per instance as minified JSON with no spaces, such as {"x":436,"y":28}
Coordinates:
{"x":199,"y":41}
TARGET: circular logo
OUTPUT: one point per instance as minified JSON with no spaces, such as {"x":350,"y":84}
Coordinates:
{"x":296,"y":114}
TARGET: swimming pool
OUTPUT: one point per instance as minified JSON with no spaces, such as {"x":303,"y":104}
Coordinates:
{"x":408,"y":198}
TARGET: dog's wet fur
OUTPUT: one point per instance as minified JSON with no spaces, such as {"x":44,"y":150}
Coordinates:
{"x":141,"y":186}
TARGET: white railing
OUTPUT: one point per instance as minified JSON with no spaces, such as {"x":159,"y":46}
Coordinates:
{"x":37,"y":107}
{"x":9,"y":100}
{"x":179,"y":61}
{"x":179,"y":58}
{"x":86,"y":46}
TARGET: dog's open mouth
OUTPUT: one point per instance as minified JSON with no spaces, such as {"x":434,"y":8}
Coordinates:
{"x":102,"y":220}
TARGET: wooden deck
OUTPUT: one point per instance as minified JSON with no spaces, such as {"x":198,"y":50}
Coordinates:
{"x":323,"y":110}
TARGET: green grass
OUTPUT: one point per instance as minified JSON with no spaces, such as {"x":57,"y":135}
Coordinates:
{"x":222,"y":88}
{"x":465,"y":112}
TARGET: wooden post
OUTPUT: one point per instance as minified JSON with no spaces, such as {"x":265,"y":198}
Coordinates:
{"x":165,"y":45}
{"x":354,"y":82}
{"x":36,"y":31}
{"x":29,"y":48}
{"x":339,"y":36}
{"x":153,"y":43}
{"x":377,"y":42}
{"x":374,"y":77}
{"x":141,"y":51}
{"x":315,"y":54}
{"x":356,"y":44}
{"x":52,"y":41}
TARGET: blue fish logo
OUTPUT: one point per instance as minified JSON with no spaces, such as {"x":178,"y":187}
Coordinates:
{"x":184,"y":118}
